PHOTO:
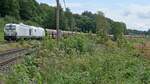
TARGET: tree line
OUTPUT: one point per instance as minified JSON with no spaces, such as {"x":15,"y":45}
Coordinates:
{"x":137,"y":32}
{"x":40,"y":14}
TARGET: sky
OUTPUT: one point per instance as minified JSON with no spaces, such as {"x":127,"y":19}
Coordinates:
{"x":135,"y":13}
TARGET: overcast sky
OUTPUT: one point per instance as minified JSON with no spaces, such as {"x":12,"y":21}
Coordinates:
{"x":135,"y":13}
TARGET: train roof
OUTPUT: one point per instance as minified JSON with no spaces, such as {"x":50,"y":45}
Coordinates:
{"x":40,"y":28}
{"x":21,"y":24}
{"x":10,"y":24}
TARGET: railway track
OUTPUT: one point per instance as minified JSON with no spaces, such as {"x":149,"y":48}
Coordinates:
{"x":10,"y":57}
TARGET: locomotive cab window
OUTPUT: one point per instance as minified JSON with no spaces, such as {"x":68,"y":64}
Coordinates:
{"x":10,"y":27}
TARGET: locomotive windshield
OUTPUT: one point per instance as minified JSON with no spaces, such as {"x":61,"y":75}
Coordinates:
{"x":10,"y":27}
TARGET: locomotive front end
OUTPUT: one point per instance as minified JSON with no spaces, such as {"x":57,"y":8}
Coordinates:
{"x":10,"y":32}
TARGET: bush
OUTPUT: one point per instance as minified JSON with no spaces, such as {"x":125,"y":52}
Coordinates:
{"x":79,"y":42}
{"x":49,"y":43}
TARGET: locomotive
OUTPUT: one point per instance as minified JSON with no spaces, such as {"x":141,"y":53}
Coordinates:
{"x":22,"y":31}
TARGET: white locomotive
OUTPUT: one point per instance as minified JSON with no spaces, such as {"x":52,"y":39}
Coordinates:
{"x":22,"y":31}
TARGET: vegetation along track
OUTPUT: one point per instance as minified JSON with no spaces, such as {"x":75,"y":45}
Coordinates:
{"x":10,"y":57}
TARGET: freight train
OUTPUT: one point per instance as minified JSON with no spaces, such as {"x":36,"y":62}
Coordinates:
{"x":14,"y":32}
{"x":22,"y":31}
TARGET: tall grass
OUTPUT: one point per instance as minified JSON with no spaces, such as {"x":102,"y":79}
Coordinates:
{"x":2,"y":23}
{"x":1,"y":36}
{"x":79,"y":60}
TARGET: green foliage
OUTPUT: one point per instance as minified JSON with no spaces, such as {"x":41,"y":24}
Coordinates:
{"x":102,"y":27}
{"x":70,"y":24}
{"x":85,"y":22}
{"x":105,"y":65}
{"x":28,"y":9}
{"x":49,"y":20}
{"x":118,"y":30}
{"x":27,"y":73}
{"x":49,"y":43}
{"x":2,"y":23}
{"x":1,"y":36}
{"x":9,"y":8}
{"x":68,"y":18}
{"x":78,"y":43}
{"x":29,"y":22}
{"x":10,"y":19}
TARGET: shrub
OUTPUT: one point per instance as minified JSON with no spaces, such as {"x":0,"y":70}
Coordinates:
{"x":79,"y":42}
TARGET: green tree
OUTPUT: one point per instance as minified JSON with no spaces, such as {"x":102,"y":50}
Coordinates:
{"x":84,"y":23}
{"x":102,"y":26}
{"x":68,"y":19}
{"x":14,"y":8}
{"x":9,"y":8}
{"x":73,"y":25}
{"x":89,"y":14}
{"x":92,"y":21}
{"x":49,"y":20}
{"x":70,"y":23}
{"x":118,"y":30}
{"x":28,"y":9}
{"x":4,"y":8}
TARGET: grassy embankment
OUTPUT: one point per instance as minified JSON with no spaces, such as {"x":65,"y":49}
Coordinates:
{"x":81,"y":60}
{"x":2,"y":23}
{"x":1,"y":34}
